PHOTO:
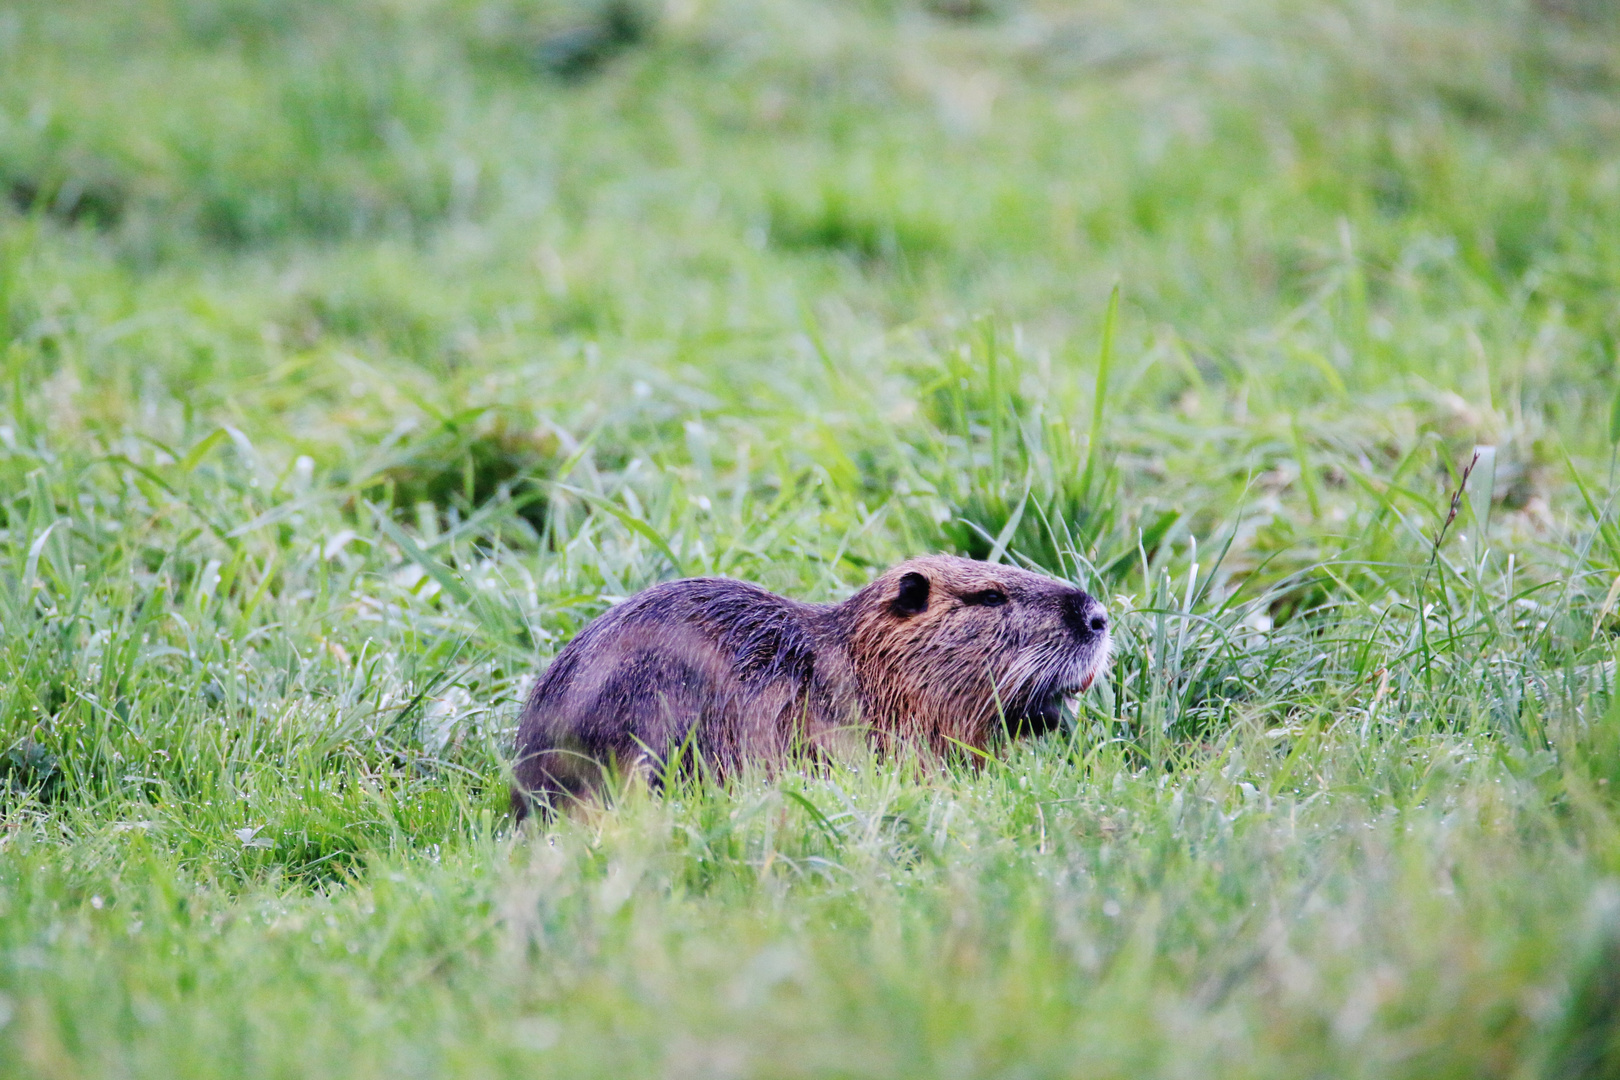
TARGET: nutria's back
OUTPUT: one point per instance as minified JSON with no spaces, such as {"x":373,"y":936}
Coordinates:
{"x":939,"y":649}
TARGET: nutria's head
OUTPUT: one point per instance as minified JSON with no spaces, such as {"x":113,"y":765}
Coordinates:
{"x":944,"y":646}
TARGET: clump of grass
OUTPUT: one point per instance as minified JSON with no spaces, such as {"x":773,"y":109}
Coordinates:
{"x":1016,"y":477}
{"x":570,"y":41}
{"x":867,"y":229}
{"x":461,"y":465}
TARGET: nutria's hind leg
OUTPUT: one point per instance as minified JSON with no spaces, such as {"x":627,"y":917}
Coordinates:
{"x":545,"y":801}
{"x":661,"y":697}
{"x":551,"y":780}
{"x":658,"y":748}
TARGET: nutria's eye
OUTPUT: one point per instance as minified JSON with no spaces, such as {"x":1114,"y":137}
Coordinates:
{"x":987,"y":598}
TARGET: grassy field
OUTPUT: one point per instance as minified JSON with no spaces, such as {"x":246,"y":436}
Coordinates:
{"x":355,"y":354}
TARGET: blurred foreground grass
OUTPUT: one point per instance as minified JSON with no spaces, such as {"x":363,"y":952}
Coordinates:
{"x":355,"y":354}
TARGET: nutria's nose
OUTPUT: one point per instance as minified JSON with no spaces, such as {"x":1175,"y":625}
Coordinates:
{"x":1084,"y":615}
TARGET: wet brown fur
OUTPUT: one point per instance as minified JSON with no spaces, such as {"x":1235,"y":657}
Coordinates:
{"x":923,"y":656}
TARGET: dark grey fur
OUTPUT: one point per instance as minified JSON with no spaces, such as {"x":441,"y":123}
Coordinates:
{"x":926,"y":654}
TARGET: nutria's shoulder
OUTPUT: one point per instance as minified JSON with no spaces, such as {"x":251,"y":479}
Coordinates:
{"x":745,"y":626}
{"x":720,"y":594}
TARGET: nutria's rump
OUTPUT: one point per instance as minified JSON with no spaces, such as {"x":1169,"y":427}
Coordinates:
{"x":937,"y":649}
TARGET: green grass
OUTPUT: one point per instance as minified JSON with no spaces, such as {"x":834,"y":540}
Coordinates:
{"x":356,"y":354}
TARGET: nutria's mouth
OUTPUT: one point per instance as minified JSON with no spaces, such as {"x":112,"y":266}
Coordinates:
{"x":1046,"y":711}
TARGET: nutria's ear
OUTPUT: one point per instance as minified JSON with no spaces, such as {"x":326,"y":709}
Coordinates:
{"x":912,"y":598}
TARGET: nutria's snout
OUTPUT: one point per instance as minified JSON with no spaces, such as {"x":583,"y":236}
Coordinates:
{"x":1084,"y":615}
{"x":1091,"y":625}
{"x":1077,"y":665}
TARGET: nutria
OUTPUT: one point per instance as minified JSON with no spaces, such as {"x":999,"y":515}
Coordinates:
{"x":937,"y":652}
